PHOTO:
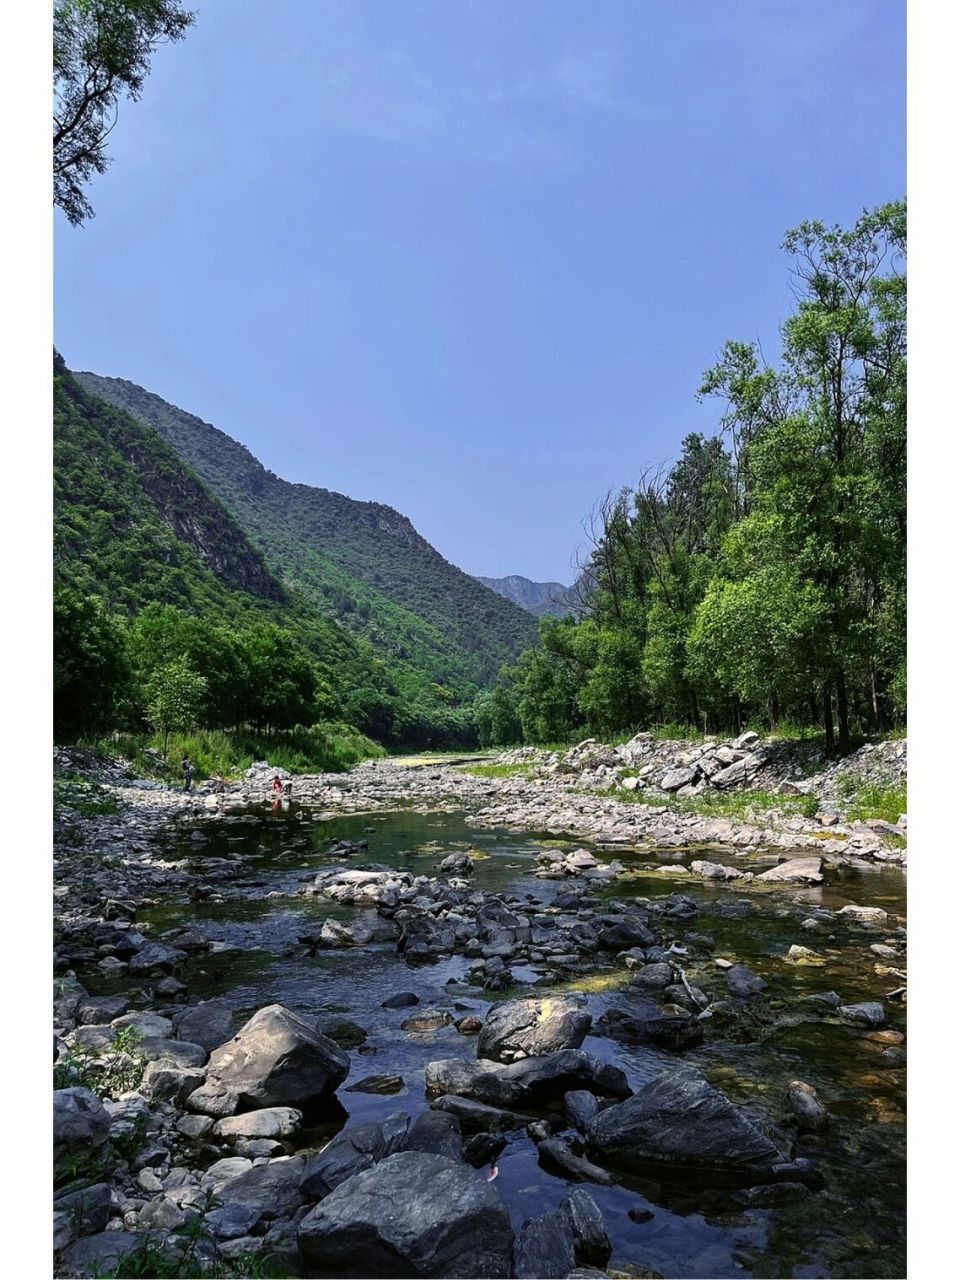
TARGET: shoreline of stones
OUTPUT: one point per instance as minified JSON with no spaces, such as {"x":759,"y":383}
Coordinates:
{"x":529,"y":1073}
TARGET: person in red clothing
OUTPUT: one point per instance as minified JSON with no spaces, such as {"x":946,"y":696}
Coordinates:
{"x":277,"y":784}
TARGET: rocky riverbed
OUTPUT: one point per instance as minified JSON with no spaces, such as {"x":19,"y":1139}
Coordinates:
{"x":415,"y":1021}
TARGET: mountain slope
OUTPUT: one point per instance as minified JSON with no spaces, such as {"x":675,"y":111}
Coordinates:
{"x":361,"y":562}
{"x":538,"y":598}
{"x":134,"y":525}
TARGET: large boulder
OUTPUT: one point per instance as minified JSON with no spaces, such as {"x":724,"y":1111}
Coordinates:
{"x":530,"y":1028}
{"x":679,"y":1121}
{"x":414,"y":1214}
{"x":80,"y":1122}
{"x":277,"y":1059}
{"x":354,"y":1149}
{"x":631,"y":932}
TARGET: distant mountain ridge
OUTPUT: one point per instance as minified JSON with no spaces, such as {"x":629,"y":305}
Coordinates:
{"x":539,"y":598}
{"x":362,"y":563}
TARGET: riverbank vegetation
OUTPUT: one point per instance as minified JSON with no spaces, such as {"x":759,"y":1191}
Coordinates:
{"x":763,"y":576}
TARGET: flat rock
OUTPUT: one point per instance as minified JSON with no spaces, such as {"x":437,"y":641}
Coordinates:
{"x":794,"y":870}
{"x":268,"y":1122}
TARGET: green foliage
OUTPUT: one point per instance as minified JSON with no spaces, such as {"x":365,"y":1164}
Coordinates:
{"x":174,"y":694}
{"x":359,"y":562}
{"x":90,"y":669}
{"x":499,"y":770}
{"x":101,"y":53}
{"x":743,"y":805}
{"x":762,"y":578}
{"x":324,"y":748}
{"x":105,"y":1072}
{"x":85,"y":798}
{"x":871,"y":801}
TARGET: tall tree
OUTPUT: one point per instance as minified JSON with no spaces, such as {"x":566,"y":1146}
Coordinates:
{"x":101,"y":53}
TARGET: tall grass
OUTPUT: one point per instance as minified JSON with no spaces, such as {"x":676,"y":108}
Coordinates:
{"x":327,"y":748}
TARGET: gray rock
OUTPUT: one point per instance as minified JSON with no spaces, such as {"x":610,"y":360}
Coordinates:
{"x":97,"y":1010}
{"x":803,"y":870}
{"x":272,"y":1188}
{"x":385,"y":1084}
{"x":277,"y":1058}
{"x":80,"y":1122}
{"x":674,"y":779}
{"x":209,"y":1024}
{"x":590,"y":1240}
{"x":437,"y":1133}
{"x":674,"y":1031}
{"x":628,"y":933}
{"x":401,"y":1000}
{"x":414,"y":1214}
{"x":869,"y":1013}
{"x":579,"y":1107}
{"x":342,"y":1031}
{"x":810,"y":1113}
{"x":427,"y":1020}
{"x":87,"y":1209}
{"x":653,"y":977}
{"x":530,"y":1028}
{"x":155,"y":956}
{"x":544,"y":1247}
{"x":560,"y":1158}
{"x":165,"y":1078}
{"x":213,"y":1099}
{"x":479,"y":1117}
{"x":680,"y":1121}
{"x":457,"y":864}
{"x":93,"y":1255}
{"x":354,"y":1149}
{"x":529,"y":1082}
{"x":268,"y":1122}
{"x":743,"y":982}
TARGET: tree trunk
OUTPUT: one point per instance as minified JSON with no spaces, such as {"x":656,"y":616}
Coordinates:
{"x":828,"y":718}
{"x":843,"y":715}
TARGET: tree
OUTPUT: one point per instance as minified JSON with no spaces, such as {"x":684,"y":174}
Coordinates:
{"x":90,"y":671}
{"x":174,"y":699}
{"x":101,"y":52}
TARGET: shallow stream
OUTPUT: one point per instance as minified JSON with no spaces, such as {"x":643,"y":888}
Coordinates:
{"x":854,"y":1227}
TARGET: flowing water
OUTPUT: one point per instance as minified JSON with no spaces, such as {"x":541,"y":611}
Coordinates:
{"x":854,"y":1227}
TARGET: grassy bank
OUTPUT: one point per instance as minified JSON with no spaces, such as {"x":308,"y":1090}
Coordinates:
{"x":329,"y":748}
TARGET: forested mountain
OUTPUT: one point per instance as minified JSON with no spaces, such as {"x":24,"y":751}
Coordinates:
{"x":360,"y":562}
{"x":539,"y":598}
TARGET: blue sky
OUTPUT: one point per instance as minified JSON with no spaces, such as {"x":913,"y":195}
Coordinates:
{"x":470,"y":259}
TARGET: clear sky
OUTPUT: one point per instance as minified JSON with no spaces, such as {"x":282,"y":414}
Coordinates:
{"x":470,"y":258}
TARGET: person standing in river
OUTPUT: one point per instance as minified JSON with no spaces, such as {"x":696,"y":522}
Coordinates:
{"x":189,"y":769}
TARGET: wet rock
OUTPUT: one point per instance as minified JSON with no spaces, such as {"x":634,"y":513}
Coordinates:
{"x":527,"y":1028}
{"x":828,"y":999}
{"x":640,"y":1214}
{"x":98,"y":1010}
{"x":794,"y":870}
{"x":674,"y":1032}
{"x":155,"y":956}
{"x":354,"y":1149}
{"x":457,"y":864}
{"x":626,"y":934}
{"x":743,"y":982}
{"x":771,"y":1196}
{"x":804,"y":956}
{"x":413,"y":1214}
{"x":590,"y":1240}
{"x":268,"y":1122}
{"x":480,"y":1117}
{"x":385,"y":1084}
{"x":680,"y":1121}
{"x":80,"y":1122}
{"x":863,"y":915}
{"x":528,"y":1082}
{"x":544,"y":1247}
{"x":869,"y":1013}
{"x":559,"y":1157}
{"x":810,"y":1113}
{"x":342,"y":1031}
{"x":437,"y":1133}
{"x":209,"y":1023}
{"x":469,"y":1026}
{"x":402,"y":1000}
{"x":483,"y":1149}
{"x":427,"y":1020}
{"x":715,"y":870}
{"x":579,"y":1107}
{"x":277,"y":1058}
{"x":653,"y":977}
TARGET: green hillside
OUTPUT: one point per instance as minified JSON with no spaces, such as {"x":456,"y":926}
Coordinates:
{"x":360,"y":562}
